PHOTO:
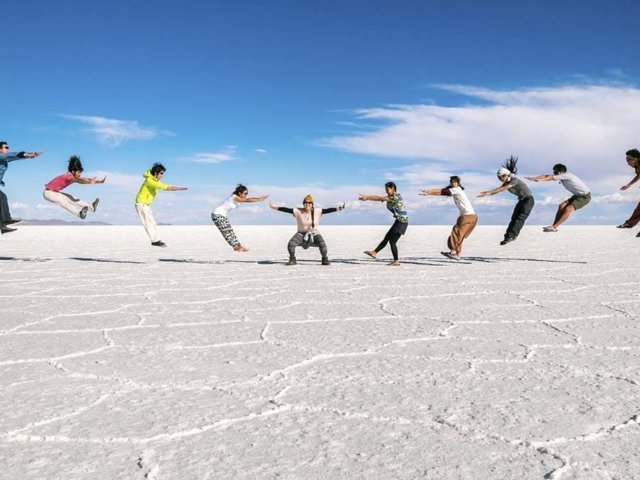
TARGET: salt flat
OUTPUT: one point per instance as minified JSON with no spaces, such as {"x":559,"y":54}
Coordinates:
{"x":123,"y":361}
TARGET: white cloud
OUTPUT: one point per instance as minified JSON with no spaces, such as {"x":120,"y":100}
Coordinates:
{"x":119,"y":181}
{"x":260,"y":150}
{"x":18,"y":206}
{"x":588,"y":128}
{"x":113,"y":132}
{"x":228,"y":154}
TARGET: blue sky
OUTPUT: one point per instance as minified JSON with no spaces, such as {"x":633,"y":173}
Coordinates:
{"x":332,"y":98}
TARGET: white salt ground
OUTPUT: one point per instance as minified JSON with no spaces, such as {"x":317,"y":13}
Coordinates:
{"x":119,"y":360}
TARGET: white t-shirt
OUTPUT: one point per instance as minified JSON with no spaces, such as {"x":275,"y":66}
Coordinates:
{"x":460,"y":198}
{"x":572,"y":183}
{"x":227,"y":206}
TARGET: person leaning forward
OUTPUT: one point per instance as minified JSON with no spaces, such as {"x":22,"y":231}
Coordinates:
{"x":7,"y":157}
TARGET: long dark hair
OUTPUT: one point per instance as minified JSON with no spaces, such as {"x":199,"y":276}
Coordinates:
{"x":75,"y":165}
{"x":510,"y":164}
{"x":240,"y":188}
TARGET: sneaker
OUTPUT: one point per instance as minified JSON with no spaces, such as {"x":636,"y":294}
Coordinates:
{"x":159,"y":243}
{"x":292,"y":261}
{"x":13,"y":221}
{"x":325,"y":261}
{"x":637,"y":236}
{"x":549,"y":229}
{"x":624,"y":225}
{"x":7,"y":230}
{"x":95,"y":204}
{"x":83,"y":213}
{"x":507,"y":240}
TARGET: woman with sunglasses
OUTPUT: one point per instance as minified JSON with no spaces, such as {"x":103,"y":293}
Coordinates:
{"x":220,"y":214}
{"x":308,"y":219}
{"x":396,"y":206}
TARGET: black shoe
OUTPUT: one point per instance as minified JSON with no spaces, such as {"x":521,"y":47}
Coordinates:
{"x":159,"y":243}
{"x":507,"y":240}
{"x":325,"y":261}
{"x":292,"y":261}
{"x":7,"y":230}
{"x":83,"y":213}
{"x":95,"y":204}
{"x":13,"y":221}
{"x":624,"y":225}
{"x":638,"y":234}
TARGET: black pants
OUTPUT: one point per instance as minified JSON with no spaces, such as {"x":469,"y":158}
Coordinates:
{"x":391,"y":238}
{"x":5,"y":215}
{"x":520,"y":214}
{"x":298,"y":240}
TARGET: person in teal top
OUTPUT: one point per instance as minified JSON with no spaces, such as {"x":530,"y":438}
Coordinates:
{"x":146,"y":194}
{"x":396,"y":206}
{"x":7,"y":157}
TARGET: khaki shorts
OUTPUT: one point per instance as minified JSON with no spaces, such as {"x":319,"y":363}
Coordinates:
{"x":579,"y":201}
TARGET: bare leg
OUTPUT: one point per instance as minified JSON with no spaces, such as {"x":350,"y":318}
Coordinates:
{"x":564,"y":212}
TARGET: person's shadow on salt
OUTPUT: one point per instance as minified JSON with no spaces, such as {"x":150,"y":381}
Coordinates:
{"x":15,"y":259}
{"x":102,"y":260}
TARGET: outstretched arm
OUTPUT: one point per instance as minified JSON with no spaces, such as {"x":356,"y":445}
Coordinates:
{"x":628,"y":185}
{"x":432,"y":191}
{"x":175,"y":189}
{"x":250,"y":199}
{"x":273,"y":206}
{"x":541,"y":178}
{"x":339,"y":208}
{"x":86,"y":180}
{"x":486,"y":193}
{"x":31,"y":155}
{"x":12,"y":157}
{"x":373,"y":198}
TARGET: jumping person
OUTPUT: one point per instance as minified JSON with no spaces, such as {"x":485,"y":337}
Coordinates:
{"x":220,"y":214}
{"x":396,"y":206}
{"x":5,"y":158}
{"x":633,"y":160}
{"x":581,"y":194}
{"x":147,"y":193}
{"x":467,"y":220}
{"x":507,"y":175}
{"x":53,"y":190}
{"x":308,"y":220}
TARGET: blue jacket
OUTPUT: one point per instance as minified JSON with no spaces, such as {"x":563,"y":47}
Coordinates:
{"x":5,"y":158}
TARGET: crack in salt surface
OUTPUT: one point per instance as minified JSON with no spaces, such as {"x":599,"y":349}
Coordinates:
{"x":160,"y":438}
{"x":543,"y":446}
{"x":576,"y":338}
{"x":53,"y":359}
{"x":209,"y":346}
{"x":634,"y":421}
{"x":310,"y":361}
{"x":79,"y":411}
{"x":69,"y":315}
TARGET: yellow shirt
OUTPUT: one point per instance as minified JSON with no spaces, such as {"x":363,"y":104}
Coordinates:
{"x":149,"y":188}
